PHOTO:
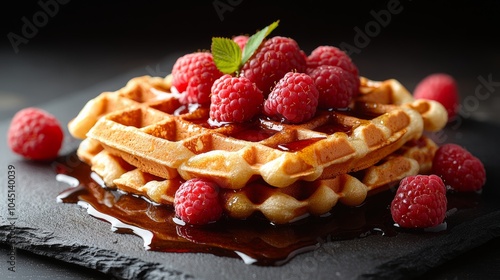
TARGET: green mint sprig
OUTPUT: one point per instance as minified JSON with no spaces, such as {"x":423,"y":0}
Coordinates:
{"x":226,"y":54}
{"x":229,"y":58}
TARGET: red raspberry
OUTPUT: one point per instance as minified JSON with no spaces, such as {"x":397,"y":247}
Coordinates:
{"x":194,"y":75}
{"x":35,"y":134}
{"x":234,"y":99}
{"x":330,"y":55}
{"x":294,"y":98}
{"x":336,"y":86}
{"x":241,"y":40}
{"x":276,"y":57}
{"x":197,"y":202}
{"x":442,"y":88}
{"x":420,"y":202}
{"x":459,"y":168}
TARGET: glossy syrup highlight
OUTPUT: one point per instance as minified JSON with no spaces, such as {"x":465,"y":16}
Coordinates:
{"x":254,"y":240}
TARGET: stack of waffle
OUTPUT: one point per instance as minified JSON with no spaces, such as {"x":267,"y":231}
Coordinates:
{"x":142,"y":140}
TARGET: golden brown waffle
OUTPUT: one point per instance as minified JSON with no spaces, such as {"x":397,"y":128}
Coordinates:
{"x":142,"y":141}
{"x":139,"y":90}
{"x":278,"y":205}
{"x":145,"y":125}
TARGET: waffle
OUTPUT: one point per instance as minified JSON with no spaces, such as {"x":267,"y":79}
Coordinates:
{"x":278,"y":205}
{"x":141,"y":140}
{"x":138,"y":90}
{"x":142,"y":121}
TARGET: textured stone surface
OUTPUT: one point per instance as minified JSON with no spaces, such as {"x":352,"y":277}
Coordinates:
{"x":67,"y":233}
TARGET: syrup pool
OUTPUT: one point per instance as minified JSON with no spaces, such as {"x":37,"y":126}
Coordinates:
{"x":255,"y":240}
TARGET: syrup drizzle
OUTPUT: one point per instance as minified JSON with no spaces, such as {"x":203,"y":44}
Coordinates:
{"x":255,"y":240}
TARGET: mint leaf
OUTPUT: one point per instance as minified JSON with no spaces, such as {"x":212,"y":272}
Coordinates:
{"x":229,"y":58}
{"x":255,"y":40}
{"x":226,"y":54}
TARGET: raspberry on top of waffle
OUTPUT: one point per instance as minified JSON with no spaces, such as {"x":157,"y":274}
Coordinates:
{"x":286,"y":156}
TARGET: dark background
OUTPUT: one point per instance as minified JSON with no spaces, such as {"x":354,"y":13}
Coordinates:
{"x":85,"y":43}
{"x":163,"y":23}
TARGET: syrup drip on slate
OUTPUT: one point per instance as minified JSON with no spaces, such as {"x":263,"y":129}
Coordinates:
{"x":255,"y":240}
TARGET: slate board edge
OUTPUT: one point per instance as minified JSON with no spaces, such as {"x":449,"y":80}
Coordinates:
{"x":416,"y":263}
{"x":46,"y":244}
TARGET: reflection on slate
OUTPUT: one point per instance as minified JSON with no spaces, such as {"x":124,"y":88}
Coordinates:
{"x":66,"y":232}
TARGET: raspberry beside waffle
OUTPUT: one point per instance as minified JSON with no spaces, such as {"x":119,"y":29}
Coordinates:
{"x":143,"y":141}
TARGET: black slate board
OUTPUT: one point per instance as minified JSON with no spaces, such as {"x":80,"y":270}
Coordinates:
{"x":66,"y":232}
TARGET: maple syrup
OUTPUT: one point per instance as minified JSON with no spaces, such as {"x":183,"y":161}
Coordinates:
{"x":254,"y":240}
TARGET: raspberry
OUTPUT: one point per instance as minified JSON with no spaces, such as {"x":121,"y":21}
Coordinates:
{"x":197,"y":202}
{"x":241,"y":40}
{"x":420,"y":202}
{"x":276,"y":57}
{"x":294,"y":98}
{"x":458,"y":168}
{"x":336,"y":86}
{"x":193,"y":74}
{"x":35,"y":134}
{"x":234,"y":99}
{"x":442,"y":88}
{"x":330,"y":55}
